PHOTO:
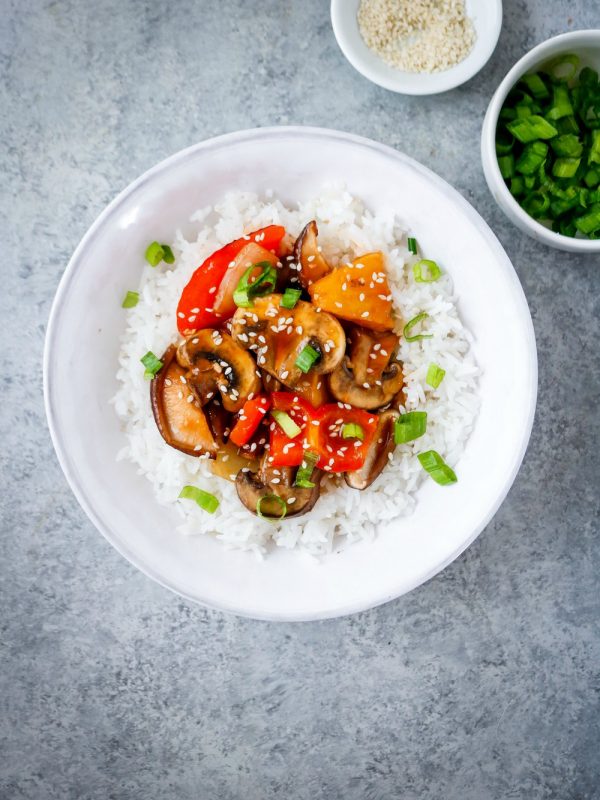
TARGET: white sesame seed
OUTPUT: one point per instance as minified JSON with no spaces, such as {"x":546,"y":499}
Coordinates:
{"x":168,"y":382}
{"x":180,"y":314}
{"x":365,"y":314}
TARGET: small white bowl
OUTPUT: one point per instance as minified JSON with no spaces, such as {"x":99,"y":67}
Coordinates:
{"x":82,"y":349}
{"x":487,"y":20}
{"x":585,"y":44}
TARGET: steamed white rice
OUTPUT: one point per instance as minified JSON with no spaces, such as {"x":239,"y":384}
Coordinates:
{"x":346,"y":230}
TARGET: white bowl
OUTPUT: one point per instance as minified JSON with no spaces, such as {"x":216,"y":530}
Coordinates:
{"x":82,"y":344}
{"x":487,"y":20}
{"x":586,"y":44}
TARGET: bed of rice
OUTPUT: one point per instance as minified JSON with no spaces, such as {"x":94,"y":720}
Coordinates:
{"x":341,"y":515}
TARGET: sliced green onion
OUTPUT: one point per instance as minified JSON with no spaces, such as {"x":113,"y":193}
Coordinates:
{"x":286,"y":423}
{"x":517,"y":186}
{"x":523,"y":111}
{"x":290,"y":298}
{"x":567,"y":145}
{"x":353,"y":431}
{"x":168,"y":256}
{"x":532,"y":158}
{"x":263,"y":284}
{"x":207,"y":501}
{"x":592,"y":178}
{"x":152,"y":364}
{"x":269,"y":498}
{"x":507,"y":166}
{"x":411,"y":324}
{"x":565,"y":167}
{"x":307,"y":358}
{"x":131,"y":300}
{"x":561,"y":104}
{"x":435,"y":375}
{"x":536,"y":86}
{"x":567,"y":125}
{"x":594,"y":156}
{"x":154,"y":254}
{"x":528,"y":129}
{"x":426,"y":271}
{"x":504,"y":144}
{"x":305,"y":470}
{"x":410,"y":426}
{"x":536,"y":204}
{"x":412,"y":245}
{"x":589,"y":223}
{"x":436,"y":467}
{"x":563,"y":68}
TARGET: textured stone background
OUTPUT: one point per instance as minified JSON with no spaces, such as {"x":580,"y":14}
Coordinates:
{"x":485,"y":682}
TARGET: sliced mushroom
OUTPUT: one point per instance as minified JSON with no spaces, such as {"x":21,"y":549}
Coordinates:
{"x":369,"y":377}
{"x":216,"y":364}
{"x":310,"y":261}
{"x":178,"y":415}
{"x":278,"y":336}
{"x":279,"y":481}
{"x":378,"y":453}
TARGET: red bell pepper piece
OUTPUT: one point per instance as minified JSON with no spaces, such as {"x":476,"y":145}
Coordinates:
{"x":249,"y":418}
{"x":283,"y":451}
{"x":194,"y":310}
{"x":320,"y":432}
{"x":337,"y":454}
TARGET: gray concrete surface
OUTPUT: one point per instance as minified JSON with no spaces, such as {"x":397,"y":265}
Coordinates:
{"x":485,"y":682}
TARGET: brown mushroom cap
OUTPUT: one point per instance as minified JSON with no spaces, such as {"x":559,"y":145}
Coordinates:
{"x":215,"y":363}
{"x":310,"y":261}
{"x":377,"y":455}
{"x":278,"y":336}
{"x":180,"y":421}
{"x":365,"y":379}
{"x":252,"y":486}
{"x":343,"y":386}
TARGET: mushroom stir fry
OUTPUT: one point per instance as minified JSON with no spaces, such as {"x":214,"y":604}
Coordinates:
{"x":286,"y":370}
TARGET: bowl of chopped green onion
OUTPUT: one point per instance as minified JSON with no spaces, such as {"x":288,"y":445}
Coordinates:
{"x":540,"y":143}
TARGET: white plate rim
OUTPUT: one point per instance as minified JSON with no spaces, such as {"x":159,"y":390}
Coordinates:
{"x":234,"y":138}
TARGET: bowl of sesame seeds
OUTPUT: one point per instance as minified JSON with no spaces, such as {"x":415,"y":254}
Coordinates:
{"x":417,"y":47}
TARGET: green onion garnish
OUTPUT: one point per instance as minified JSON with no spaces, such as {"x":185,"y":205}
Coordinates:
{"x":207,"y":502}
{"x":290,"y":298}
{"x":536,"y":86}
{"x":528,"y":129}
{"x":426,"y":271}
{"x":130,"y":300}
{"x":548,"y":145}
{"x":353,"y":431}
{"x":155,"y":253}
{"x":263,"y":284}
{"x":410,"y":426}
{"x":435,"y":375}
{"x":563,"y":68}
{"x":411,"y":324}
{"x":412,"y":245}
{"x":305,"y":471}
{"x":437,"y":468}
{"x":307,"y":358}
{"x":168,"y":256}
{"x":567,"y":145}
{"x":532,"y":158}
{"x":565,"y":167}
{"x":589,"y":223}
{"x":269,"y":498}
{"x":152,"y":364}
{"x":286,"y":423}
